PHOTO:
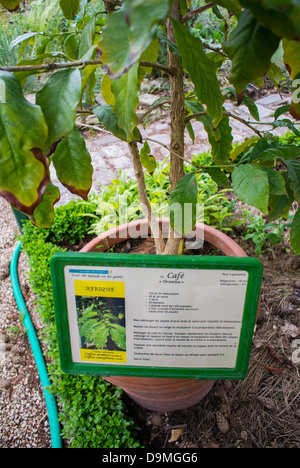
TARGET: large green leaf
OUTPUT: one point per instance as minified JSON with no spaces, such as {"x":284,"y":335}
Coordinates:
{"x":118,"y":335}
{"x":295,"y":233}
{"x":101,"y":334}
{"x":23,"y":133}
{"x":58,"y":100}
{"x":280,"y":16}
{"x":10,"y":5}
{"x":292,"y":62}
{"x":128,"y":32}
{"x":87,"y":40}
{"x":183,"y":204}
{"x":250,"y":184}
{"x":69,"y":7}
{"x":279,"y":205}
{"x":220,"y":137}
{"x":73,"y":164}
{"x":294,"y":174}
{"x":202,"y":71}
{"x":109,"y":119}
{"x":43,"y":215}
{"x":250,"y":47}
{"x":126,"y":91}
{"x":231,"y":5}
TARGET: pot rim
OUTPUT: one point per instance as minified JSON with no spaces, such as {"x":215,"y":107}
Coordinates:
{"x":213,"y":236}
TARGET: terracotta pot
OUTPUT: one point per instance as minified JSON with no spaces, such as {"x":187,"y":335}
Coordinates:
{"x":163,"y":394}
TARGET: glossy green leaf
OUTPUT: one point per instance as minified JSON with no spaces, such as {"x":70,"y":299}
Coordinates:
{"x":217,"y":175}
{"x":250,"y":184}
{"x":23,"y":134}
{"x":292,"y":62}
{"x":231,"y":5}
{"x":109,"y":119}
{"x":220,"y":136}
{"x":126,"y":91}
{"x":265,"y":151}
{"x":183,"y":209}
{"x":10,"y":5}
{"x":73,"y":164}
{"x":243,"y":147}
{"x":279,"y":205}
{"x":87,"y":40}
{"x":69,"y":7}
{"x":276,"y":181}
{"x":295,"y":233}
{"x":149,"y":55}
{"x":58,"y":100}
{"x":202,"y":71}
{"x":118,"y":335}
{"x":147,"y":160}
{"x":252,"y":107}
{"x":43,"y":215}
{"x":128,"y":32}
{"x":294,"y":174}
{"x":22,"y":38}
{"x":71,"y":47}
{"x":250,"y":47}
{"x":282,"y":17}
{"x":100,"y":336}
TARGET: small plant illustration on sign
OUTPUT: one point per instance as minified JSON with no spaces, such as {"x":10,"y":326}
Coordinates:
{"x":100,"y":326}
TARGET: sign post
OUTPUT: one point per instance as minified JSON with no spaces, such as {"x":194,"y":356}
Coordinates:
{"x":155,"y":316}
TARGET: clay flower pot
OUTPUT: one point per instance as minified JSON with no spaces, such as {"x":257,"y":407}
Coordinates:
{"x":163,"y":394}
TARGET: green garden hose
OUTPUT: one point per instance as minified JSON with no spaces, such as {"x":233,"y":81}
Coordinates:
{"x":56,"y":441}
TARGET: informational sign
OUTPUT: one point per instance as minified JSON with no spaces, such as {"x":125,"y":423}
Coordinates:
{"x":155,"y":316}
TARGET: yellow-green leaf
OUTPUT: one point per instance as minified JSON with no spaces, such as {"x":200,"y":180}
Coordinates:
{"x":73,"y":164}
{"x":23,"y":134}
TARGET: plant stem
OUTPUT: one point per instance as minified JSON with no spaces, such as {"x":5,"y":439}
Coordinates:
{"x":139,"y":173}
{"x":190,"y":14}
{"x":79,"y":63}
{"x":177,"y":119}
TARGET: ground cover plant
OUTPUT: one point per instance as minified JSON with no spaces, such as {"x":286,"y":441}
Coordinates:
{"x":91,"y":411}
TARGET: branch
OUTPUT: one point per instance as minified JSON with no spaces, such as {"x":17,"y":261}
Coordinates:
{"x":152,"y":108}
{"x":164,"y":68}
{"x":139,"y":173}
{"x":229,"y":114}
{"x":80,"y":63}
{"x":50,"y":66}
{"x":196,"y":12}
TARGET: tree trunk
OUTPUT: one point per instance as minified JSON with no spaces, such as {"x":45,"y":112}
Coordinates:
{"x":139,"y":173}
{"x":177,"y":103}
{"x":177,"y":120}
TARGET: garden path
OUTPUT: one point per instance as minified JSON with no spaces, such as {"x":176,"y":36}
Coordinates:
{"x":109,"y":154}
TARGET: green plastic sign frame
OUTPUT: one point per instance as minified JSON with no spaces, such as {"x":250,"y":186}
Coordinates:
{"x":180,"y":316}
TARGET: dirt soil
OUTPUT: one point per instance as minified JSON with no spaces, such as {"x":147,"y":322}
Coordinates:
{"x":263,"y":410}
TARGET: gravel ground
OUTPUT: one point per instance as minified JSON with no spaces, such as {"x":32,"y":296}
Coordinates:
{"x":23,"y":413}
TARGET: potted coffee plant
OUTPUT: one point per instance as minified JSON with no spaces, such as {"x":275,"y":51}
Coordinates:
{"x":123,"y":38}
